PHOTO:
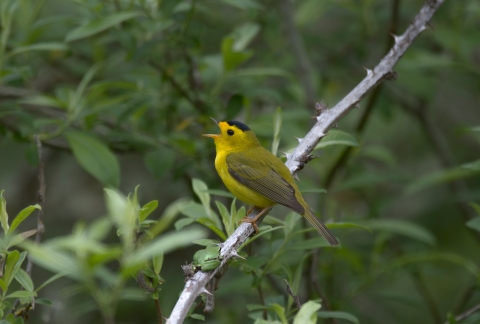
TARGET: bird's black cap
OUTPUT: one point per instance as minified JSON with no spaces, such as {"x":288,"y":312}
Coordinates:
{"x":240,"y":125}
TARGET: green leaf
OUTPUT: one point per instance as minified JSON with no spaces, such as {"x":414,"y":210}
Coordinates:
{"x":476,"y":207}
{"x":197,"y":317}
{"x":3,"y":285}
{"x":164,"y":244}
{"x":232,"y":58}
{"x":234,"y":106}
{"x":347,"y":225}
{"x":50,"y":280}
{"x":11,"y":267}
{"x":307,"y":314}
{"x":42,"y":100}
{"x":442,"y":177}
{"x":472,"y":166}
{"x":43,"y":301}
{"x":3,"y":213}
{"x":336,"y":314}
{"x":54,"y":260}
{"x":157,"y":262}
{"x":208,"y":223}
{"x":95,"y":157}
{"x":22,"y":294}
{"x":226,"y":217}
{"x":221,"y":193}
{"x":337,"y":137}
{"x":22,"y":215}
{"x":309,"y":244}
{"x":39,"y":47}
{"x":474,"y":223}
{"x":243,"y":35}
{"x":243,"y":4}
{"x":259,"y":72}
{"x":160,"y":162}
{"x":168,"y":216}
{"x":181,"y":223}
{"x":409,"y":229}
{"x":147,"y":209}
{"x":95,"y":26}
{"x":277,"y":124}
{"x":24,"y":279}
{"x":201,"y":190}
{"x":205,"y":242}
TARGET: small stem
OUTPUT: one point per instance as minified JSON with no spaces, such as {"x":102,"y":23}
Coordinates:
{"x":295,"y":298}
{"x":262,"y":300}
{"x":159,"y":312}
{"x":316,"y":284}
{"x":427,"y":296}
{"x":189,"y":17}
{"x":466,"y":314}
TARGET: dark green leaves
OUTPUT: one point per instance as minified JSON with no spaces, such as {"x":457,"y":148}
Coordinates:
{"x":95,"y":157}
{"x":98,"y":25}
{"x":231,"y":57}
{"x":160,"y":162}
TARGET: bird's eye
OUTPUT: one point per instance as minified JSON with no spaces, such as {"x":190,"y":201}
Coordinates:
{"x":230,"y":132}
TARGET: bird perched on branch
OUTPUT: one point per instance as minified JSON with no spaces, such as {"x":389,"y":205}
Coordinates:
{"x":256,"y":176}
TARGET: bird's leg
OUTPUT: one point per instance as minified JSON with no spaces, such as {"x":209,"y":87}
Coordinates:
{"x":253,"y":221}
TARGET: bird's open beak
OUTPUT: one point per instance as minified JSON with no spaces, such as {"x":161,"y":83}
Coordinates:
{"x":212,"y":135}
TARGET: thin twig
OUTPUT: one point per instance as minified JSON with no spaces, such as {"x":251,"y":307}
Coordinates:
{"x":317,"y":287}
{"x":40,"y":226}
{"x":427,"y":296}
{"x":262,"y":300}
{"x":159,"y":312}
{"x":40,"y":200}
{"x":457,"y":187}
{"x":197,"y":103}
{"x":295,"y":161}
{"x":295,"y":298}
{"x":466,"y":314}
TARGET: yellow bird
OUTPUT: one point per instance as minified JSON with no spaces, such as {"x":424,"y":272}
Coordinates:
{"x":256,"y":176}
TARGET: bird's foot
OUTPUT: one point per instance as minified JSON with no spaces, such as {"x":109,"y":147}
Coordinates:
{"x":250,"y":221}
{"x":253,"y":221}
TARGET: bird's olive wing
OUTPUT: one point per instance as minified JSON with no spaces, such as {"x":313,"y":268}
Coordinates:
{"x":263,"y":179}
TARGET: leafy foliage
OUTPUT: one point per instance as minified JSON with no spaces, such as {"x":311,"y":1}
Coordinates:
{"x":119,"y":92}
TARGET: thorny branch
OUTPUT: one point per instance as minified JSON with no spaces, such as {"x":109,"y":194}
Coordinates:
{"x":295,"y":161}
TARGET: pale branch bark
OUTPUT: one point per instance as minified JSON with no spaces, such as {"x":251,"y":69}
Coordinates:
{"x":296,"y":160}
{"x":196,"y":284}
{"x":329,"y":117}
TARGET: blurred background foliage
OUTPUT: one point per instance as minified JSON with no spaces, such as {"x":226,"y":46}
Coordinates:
{"x":119,"y":93}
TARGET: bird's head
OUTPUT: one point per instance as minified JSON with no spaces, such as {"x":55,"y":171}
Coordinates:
{"x":234,"y":136}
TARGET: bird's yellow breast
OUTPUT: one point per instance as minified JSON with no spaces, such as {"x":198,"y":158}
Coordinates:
{"x":240,"y":191}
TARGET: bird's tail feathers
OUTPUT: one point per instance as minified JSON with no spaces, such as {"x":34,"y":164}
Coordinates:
{"x":320,"y":227}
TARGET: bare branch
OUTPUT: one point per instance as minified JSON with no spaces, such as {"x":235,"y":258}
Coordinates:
{"x":196,"y":284}
{"x":330,"y":117}
{"x":296,"y":300}
{"x":295,"y":161}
